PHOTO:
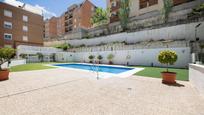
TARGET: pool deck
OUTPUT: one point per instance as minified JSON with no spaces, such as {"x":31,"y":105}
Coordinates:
{"x":69,"y":92}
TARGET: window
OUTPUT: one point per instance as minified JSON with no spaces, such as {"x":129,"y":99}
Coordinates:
{"x":7,"y":25}
{"x":7,"y":13}
{"x":113,"y":4}
{"x":7,"y":36}
{"x":25,"y":38}
{"x":25,"y":28}
{"x":25,"y":18}
{"x":92,"y":9}
{"x":147,"y":3}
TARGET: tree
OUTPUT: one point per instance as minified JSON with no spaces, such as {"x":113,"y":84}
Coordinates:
{"x":124,"y":13}
{"x":110,"y":58}
{"x":6,"y":54}
{"x":99,"y":57}
{"x":91,"y":57}
{"x":100,"y":17}
{"x":40,"y":56}
{"x":167,"y":57}
{"x":168,"y":4}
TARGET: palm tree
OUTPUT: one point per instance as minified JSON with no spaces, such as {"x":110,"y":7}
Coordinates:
{"x":124,"y":14}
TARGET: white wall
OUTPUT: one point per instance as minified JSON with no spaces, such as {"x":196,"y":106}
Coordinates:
{"x":14,"y":63}
{"x":184,"y":31}
{"x":196,"y":77}
{"x":64,"y":57}
{"x":143,"y":57}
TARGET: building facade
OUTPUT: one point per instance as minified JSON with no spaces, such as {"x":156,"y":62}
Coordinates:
{"x":114,"y":6}
{"x":76,"y":17}
{"x":20,"y":26}
{"x":50,"y":27}
{"x":79,"y":16}
{"x":139,"y":7}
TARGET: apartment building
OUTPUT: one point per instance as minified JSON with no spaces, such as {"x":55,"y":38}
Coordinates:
{"x":78,"y":16}
{"x":61,"y":25}
{"x":50,"y":27}
{"x":20,"y":24}
{"x":54,"y":27}
{"x":139,"y":7}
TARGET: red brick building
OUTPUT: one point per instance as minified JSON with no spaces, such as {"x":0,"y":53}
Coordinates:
{"x":20,"y":26}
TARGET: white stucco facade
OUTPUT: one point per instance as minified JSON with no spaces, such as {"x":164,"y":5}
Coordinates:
{"x":143,"y":57}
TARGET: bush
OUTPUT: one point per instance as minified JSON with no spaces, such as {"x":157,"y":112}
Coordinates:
{"x":110,"y":58}
{"x":167,"y":57}
{"x":40,"y":56}
{"x":91,"y":57}
{"x":99,"y":57}
{"x":64,"y":46}
{"x":197,"y":12}
{"x":5,"y":55}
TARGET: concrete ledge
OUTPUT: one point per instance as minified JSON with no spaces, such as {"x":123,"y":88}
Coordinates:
{"x":196,"y":77}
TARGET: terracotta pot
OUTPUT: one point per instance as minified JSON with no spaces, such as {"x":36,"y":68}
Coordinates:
{"x":4,"y":75}
{"x":168,"y":77}
{"x":110,"y":62}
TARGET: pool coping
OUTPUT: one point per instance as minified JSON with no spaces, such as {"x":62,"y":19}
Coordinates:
{"x":103,"y":74}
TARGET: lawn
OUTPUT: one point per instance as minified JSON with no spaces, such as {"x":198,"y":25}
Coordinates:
{"x":182,"y":74}
{"x":30,"y":67}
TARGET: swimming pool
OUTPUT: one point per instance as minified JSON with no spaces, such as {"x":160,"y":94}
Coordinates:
{"x":100,"y":68}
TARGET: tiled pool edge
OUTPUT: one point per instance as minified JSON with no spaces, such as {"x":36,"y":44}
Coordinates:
{"x":103,"y":74}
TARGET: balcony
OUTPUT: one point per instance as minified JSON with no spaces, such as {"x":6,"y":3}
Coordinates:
{"x":178,"y":2}
{"x":114,"y":18}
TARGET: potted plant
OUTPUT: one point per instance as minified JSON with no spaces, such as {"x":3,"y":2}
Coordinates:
{"x":99,"y":59}
{"x":91,"y":57}
{"x":168,"y":57}
{"x":110,"y":58}
{"x":5,"y":56}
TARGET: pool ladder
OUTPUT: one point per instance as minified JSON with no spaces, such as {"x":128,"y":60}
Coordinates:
{"x":95,"y":68}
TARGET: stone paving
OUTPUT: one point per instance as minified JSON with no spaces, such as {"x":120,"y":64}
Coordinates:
{"x":65,"y":92}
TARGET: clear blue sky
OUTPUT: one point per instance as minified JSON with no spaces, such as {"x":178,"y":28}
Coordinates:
{"x":59,"y":6}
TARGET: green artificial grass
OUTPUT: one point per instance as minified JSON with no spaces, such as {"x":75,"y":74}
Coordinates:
{"x":155,"y":72}
{"x":30,"y":67}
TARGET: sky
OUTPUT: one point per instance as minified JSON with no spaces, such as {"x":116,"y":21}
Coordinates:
{"x":57,"y":7}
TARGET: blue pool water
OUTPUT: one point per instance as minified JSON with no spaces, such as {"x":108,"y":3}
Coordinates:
{"x":108,"y":69}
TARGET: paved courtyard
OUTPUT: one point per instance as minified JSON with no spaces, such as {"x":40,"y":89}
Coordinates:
{"x":65,"y":92}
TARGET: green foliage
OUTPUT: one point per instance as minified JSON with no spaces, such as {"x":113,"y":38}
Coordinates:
{"x":199,"y":11}
{"x":64,"y":46}
{"x":23,"y":56}
{"x":5,"y":55}
{"x":91,"y":57}
{"x":100,"y":17}
{"x":110,"y":57}
{"x":40,"y":56}
{"x":202,"y":46}
{"x":168,"y":4}
{"x":124,"y":13}
{"x":99,"y":57}
{"x":167,"y":57}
